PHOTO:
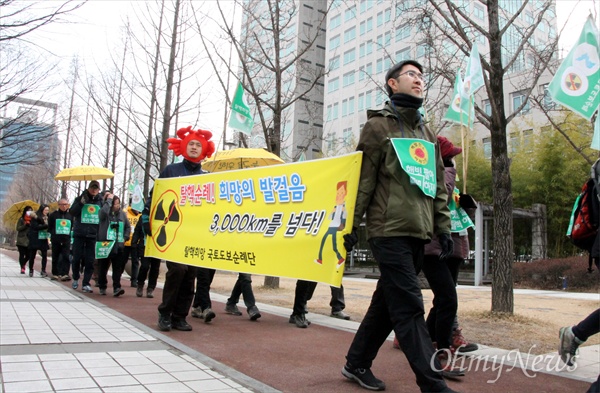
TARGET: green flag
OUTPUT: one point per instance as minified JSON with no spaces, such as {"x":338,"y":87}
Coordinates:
{"x":459,"y":108}
{"x":131,"y":185}
{"x":474,"y":74}
{"x":137,"y":197}
{"x":576,"y":84}
{"x":240,"y":117}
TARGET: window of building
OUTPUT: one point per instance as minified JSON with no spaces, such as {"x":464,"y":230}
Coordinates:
{"x":350,"y":13}
{"x":515,"y":142}
{"x":334,"y":42}
{"x":333,"y":85}
{"x":361,"y":102}
{"x":379,"y":66}
{"x":487,"y":147}
{"x":387,"y":16}
{"x":335,"y":111}
{"x":479,"y":12}
{"x":335,"y":21}
{"x":518,"y":98}
{"x":380,"y":18}
{"x":403,"y":54}
{"x":349,"y":56}
{"x":362,"y":49}
{"x":344,"y":108}
{"x":347,"y":136}
{"x":348,"y":79}
{"x":330,"y":141}
{"x":369,"y":24}
{"x":351,"y":105}
{"x":547,"y":101}
{"x":363,"y":27}
{"x":334,"y":63}
{"x":423,"y":50}
{"x":379,"y":98}
{"x":369,"y":47}
{"x":487,"y":107}
{"x":349,"y":34}
{"x":361,"y":73}
{"x":368,"y":99}
{"x":387,"y":39}
{"x":369,"y":69}
{"x":403,"y":32}
{"x":528,"y":140}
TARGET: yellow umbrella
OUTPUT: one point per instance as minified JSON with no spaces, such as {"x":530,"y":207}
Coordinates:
{"x":84,"y":173}
{"x":14,"y":212}
{"x":227,"y":160}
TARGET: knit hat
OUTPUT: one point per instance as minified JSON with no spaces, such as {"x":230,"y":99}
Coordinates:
{"x":185,"y":135}
{"x":396,"y":68}
{"x":447,"y":149}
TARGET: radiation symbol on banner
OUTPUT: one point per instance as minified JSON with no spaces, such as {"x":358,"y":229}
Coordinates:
{"x":418,"y":153}
{"x":574,"y":82}
{"x":165,"y":219}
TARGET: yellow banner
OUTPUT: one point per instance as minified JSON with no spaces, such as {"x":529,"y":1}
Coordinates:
{"x":284,"y":220}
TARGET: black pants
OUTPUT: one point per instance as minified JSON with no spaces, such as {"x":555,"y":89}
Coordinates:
{"x":397,"y":305}
{"x":304,"y":292}
{"x":129,"y":251}
{"x":32,"y":253}
{"x":442,"y":277}
{"x":243,"y":286}
{"x":178,"y":291}
{"x":23,"y":255}
{"x":204,"y":280}
{"x":117,"y":260}
{"x":60,"y":258}
{"x":150,"y":268}
{"x":588,"y":327}
{"x":84,"y":253}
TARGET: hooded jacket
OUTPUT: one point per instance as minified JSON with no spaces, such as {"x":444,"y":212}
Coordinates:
{"x":83,"y":229}
{"x":394,"y":206}
{"x":22,"y":232}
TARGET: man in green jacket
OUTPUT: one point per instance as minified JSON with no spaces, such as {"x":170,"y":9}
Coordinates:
{"x":403,"y":194}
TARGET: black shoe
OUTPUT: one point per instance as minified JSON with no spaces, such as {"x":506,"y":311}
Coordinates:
{"x":180,"y":324}
{"x":208,"y":315}
{"x":364,"y":377}
{"x":164,"y":322}
{"x":293,"y":319}
{"x":254,"y":313}
{"x":118,"y":292}
{"x":301,"y":321}
{"x":134,"y":284}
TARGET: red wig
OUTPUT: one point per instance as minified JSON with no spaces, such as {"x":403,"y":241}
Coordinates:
{"x":184,"y":136}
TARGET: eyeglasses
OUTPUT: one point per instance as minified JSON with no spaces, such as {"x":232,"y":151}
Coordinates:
{"x":414,"y":75}
{"x":63,"y":204}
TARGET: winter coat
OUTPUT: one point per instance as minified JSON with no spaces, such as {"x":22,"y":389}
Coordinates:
{"x":138,"y":239}
{"x":393,"y":205}
{"x":22,"y":233}
{"x":81,"y":229}
{"x":39,"y":227}
{"x":133,"y":219}
{"x":109,"y":217}
{"x":53,"y":218}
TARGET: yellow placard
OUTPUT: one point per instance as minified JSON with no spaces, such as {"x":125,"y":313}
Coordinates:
{"x":284,"y":221}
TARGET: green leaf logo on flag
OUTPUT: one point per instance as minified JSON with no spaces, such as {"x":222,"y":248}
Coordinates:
{"x":460,"y":106}
{"x":240,"y":117}
{"x":137,"y":199}
{"x":474,"y":74}
{"x":576,"y":84}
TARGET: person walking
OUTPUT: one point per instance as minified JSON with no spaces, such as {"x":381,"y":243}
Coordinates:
{"x":149,"y":267}
{"x":403,"y":210}
{"x":85,"y":211}
{"x":38,"y":238}
{"x":23,"y":225}
{"x":113,"y":230}
{"x":178,"y":290}
{"x":243,"y":286}
{"x":59,"y":226}
{"x":202,"y":306}
{"x":304,"y":292}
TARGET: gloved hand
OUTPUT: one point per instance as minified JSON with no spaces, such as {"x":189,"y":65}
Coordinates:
{"x":446,"y":244}
{"x":466,"y":201}
{"x":114,"y":225}
{"x":146,"y":225}
{"x":84,"y":198}
{"x":350,"y":239}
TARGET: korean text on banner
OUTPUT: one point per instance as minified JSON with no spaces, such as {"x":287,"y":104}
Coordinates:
{"x":273,"y":221}
{"x":576,"y":84}
{"x":240,"y":117}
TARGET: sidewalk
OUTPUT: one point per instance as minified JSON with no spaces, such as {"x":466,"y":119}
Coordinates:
{"x":55,"y":339}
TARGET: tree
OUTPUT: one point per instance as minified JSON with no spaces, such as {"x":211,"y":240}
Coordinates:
{"x":510,"y":45}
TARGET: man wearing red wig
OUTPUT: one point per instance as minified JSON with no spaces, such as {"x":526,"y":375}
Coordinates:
{"x":178,"y":291}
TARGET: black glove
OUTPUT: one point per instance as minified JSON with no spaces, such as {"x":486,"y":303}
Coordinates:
{"x":466,"y":201}
{"x":350,"y":239}
{"x":448,"y":163}
{"x":446,"y":244}
{"x":146,"y":225}
{"x":114,"y":225}
{"x":84,"y":198}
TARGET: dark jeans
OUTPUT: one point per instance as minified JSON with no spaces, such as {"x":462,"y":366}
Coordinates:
{"x":23,"y":255}
{"x":588,"y":327}
{"x":204,"y":279}
{"x":397,"y":304}
{"x":150,"y":268}
{"x":84,"y":253}
{"x":304,"y":292}
{"x":117,"y":259}
{"x":243,"y":286}
{"x":442,"y":277}
{"x":32,"y":253}
{"x":178,"y":291}
{"x":135,"y":261}
{"x":60,"y":258}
